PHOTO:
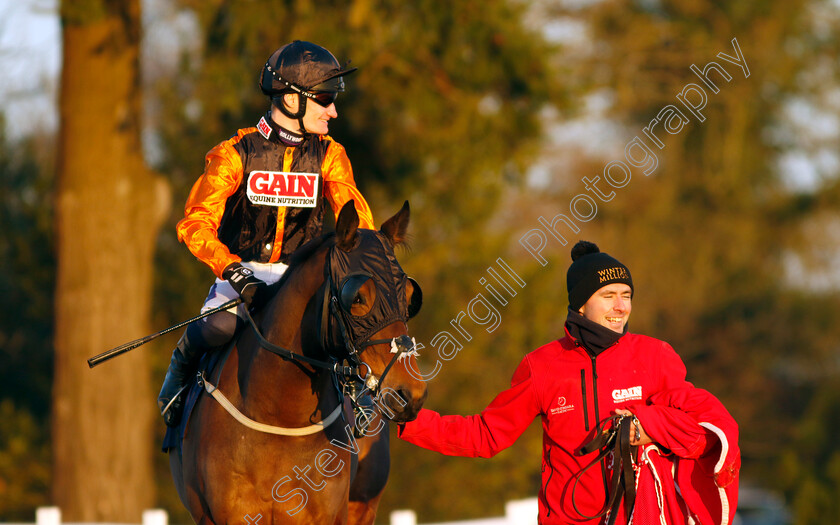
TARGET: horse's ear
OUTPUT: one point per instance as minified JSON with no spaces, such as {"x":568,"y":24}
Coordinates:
{"x":395,"y":227}
{"x":346,"y":226}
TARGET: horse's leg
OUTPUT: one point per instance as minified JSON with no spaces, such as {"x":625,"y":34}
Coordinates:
{"x":363,"y":513}
{"x":177,"y":471}
{"x":204,"y":521}
{"x":194,"y":464}
{"x":185,"y":485}
{"x":372,"y":475}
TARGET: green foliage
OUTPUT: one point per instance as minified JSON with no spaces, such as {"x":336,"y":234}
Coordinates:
{"x":81,"y":12}
{"x":24,"y":463}
{"x":26,"y":287}
{"x":26,"y":300}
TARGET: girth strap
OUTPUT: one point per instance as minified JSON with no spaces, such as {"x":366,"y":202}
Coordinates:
{"x":615,"y":440}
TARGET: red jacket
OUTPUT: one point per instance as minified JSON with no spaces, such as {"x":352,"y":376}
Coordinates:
{"x":708,"y":483}
{"x":571,"y":392}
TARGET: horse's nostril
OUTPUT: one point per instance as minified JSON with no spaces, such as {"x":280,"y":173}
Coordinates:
{"x":405,"y":395}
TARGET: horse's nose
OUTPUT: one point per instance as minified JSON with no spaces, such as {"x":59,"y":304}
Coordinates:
{"x":411,"y":401}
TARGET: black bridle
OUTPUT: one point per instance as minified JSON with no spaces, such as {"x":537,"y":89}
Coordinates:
{"x":347,"y":369}
{"x":613,"y":442}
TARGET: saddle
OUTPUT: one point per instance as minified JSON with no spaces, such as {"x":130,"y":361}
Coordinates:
{"x":613,"y":440}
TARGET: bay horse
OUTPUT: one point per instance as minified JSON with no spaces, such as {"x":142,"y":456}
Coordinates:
{"x":340,"y":315}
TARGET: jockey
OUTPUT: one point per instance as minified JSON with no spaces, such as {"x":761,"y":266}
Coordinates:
{"x":261,"y":197}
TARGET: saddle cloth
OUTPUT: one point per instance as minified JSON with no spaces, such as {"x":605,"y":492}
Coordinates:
{"x":175,"y":435}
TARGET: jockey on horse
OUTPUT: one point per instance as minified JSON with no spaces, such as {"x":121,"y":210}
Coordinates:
{"x":261,"y":197}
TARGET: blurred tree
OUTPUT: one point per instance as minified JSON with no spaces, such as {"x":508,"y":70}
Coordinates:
{"x":108,"y":210}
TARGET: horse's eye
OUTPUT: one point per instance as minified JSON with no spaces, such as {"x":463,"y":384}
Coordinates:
{"x":416,"y":299}
{"x":350,"y":292}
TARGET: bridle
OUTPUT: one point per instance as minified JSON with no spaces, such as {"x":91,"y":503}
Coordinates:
{"x":346,"y":370}
{"x":613,"y":442}
{"x":335,"y":310}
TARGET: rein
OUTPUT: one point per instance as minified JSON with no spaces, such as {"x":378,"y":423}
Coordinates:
{"x":335,"y":366}
{"x":351,"y":375}
{"x":614,"y":441}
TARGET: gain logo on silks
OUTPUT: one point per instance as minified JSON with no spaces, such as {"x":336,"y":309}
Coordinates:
{"x":283,"y":188}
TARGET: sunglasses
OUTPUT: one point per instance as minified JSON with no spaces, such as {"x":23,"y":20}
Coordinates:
{"x":323,"y":98}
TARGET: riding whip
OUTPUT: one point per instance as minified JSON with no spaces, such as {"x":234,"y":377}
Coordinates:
{"x":114,"y":352}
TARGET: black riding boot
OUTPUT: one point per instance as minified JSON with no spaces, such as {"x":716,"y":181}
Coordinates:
{"x":173,"y":392}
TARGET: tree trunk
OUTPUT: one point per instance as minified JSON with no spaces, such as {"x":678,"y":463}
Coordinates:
{"x":108,"y":212}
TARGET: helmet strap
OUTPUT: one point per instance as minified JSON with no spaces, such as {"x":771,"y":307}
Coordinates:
{"x":297,"y":115}
{"x":301,"y":107}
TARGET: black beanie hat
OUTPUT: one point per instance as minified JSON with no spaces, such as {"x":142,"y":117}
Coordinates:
{"x":591,"y":270}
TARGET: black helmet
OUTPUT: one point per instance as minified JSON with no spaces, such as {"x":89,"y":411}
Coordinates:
{"x":301,"y":67}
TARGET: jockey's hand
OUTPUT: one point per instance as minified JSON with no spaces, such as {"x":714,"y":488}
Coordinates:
{"x":635,"y":430}
{"x":242,"y":280}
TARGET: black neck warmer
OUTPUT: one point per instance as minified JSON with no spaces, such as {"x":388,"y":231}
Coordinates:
{"x":590,"y":335}
{"x":289,"y":137}
{"x":286,"y":136}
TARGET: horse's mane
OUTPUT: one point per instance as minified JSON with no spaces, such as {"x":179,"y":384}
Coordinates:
{"x":300,"y":256}
{"x":306,"y":251}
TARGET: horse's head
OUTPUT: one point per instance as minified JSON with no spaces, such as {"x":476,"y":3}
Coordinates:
{"x":370,"y":300}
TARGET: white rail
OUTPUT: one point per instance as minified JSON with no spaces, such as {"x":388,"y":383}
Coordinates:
{"x":52,"y":516}
{"x":517,"y":512}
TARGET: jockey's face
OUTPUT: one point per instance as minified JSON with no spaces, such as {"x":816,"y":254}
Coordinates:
{"x":317,"y":117}
{"x":315,"y":120}
{"x":610,"y":306}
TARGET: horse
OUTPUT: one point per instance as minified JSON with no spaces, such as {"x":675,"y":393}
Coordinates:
{"x":319,"y":356}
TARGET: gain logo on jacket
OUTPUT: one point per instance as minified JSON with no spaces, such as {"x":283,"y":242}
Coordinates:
{"x":283,"y":188}
{"x":634,"y":393}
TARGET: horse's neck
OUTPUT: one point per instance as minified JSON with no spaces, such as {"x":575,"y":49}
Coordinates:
{"x":272,"y":386}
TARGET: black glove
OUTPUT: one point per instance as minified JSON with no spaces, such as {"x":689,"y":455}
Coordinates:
{"x":243,"y":281}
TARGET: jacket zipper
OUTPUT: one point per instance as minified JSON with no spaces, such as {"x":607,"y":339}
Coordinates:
{"x":545,"y":487}
{"x":598,"y":420}
{"x":583,"y":392}
{"x":595,"y":391}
